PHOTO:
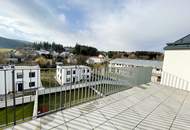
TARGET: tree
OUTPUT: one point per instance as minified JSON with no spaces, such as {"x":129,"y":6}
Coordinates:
{"x":48,"y":46}
{"x":110,"y":54}
{"x":85,"y":50}
{"x":41,"y":61}
{"x":2,"y":58}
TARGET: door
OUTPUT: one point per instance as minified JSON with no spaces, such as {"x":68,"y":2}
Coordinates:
{"x":20,"y":86}
{"x":73,"y":79}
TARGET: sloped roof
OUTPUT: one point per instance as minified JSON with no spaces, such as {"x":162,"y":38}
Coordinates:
{"x":183,"y":43}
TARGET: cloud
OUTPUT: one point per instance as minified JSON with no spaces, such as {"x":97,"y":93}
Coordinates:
{"x":108,"y":25}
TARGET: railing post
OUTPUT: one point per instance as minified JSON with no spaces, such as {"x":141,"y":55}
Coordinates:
{"x":71,"y":79}
{"x":78,"y":85}
{"x":14,"y":100}
{"x":5,"y":81}
{"x":23,"y":96}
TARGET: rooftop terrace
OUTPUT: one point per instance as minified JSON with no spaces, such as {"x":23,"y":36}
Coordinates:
{"x":143,"y":107}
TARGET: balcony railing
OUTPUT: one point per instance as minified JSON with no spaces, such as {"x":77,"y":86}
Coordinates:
{"x":25,"y":97}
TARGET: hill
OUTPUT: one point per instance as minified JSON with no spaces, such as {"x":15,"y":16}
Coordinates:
{"x":12,"y":43}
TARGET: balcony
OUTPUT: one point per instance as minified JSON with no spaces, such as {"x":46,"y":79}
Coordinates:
{"x":124,"y":100}
{"x":148,"y":106}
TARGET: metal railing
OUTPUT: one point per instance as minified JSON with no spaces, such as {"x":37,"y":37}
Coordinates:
{"x":29,"y":93}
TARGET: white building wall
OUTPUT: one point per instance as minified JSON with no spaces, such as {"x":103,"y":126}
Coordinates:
{"x":25,"y":80}
{"x":176,"y":69}
{"x":8,"y":81}
{"x":64,"y":78}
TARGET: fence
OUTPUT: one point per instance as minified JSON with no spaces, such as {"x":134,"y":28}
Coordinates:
{"x":30,"y":93}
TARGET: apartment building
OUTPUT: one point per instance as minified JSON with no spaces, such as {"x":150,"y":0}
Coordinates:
{"x":21,"y":77}
{"x":72,"y":74}
{"x":116,"y":64}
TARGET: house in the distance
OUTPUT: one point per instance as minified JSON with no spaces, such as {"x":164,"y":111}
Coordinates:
{"x":72,"y":74}
{"x":96,"y":59}
{"x":23,"y":78}
{"x":116,"y":66}
{"x":42,"y":52}
{"x":176,"y":71}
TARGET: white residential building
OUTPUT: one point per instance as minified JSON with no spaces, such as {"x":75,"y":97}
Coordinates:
{"x":118,"y":63}
{"x":23,"y":77}
{"x":72,"y":74}
{"x":176,"y":67}
{"x":96,"y":60}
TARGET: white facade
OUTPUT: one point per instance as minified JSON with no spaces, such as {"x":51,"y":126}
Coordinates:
{"x":176,"y":69}
{"x":72,"y":74}
{"x":23,"y":77}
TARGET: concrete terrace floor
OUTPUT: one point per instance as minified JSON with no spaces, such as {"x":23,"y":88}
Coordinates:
{"x":146,"y":107}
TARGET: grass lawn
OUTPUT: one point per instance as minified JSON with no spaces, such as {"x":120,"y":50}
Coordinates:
{"x":22,"y":111}
{"x":5,"y":50}
{"x":50,"y":102}
{"x":54,"y":101}
{"x":65,"y":99}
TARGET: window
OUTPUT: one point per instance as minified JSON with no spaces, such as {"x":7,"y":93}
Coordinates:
{"x":31,"y":84}
{"x":84,"y":71}
{"x":68,"y":72}
{"x":88,"y":70}
{"x":19,"y":75}
{"x":31,"y":74}
{"x":74,"y":71}
{"x":68,"y":80}
{"x":87,"y":76}
{"x":159,"y":79}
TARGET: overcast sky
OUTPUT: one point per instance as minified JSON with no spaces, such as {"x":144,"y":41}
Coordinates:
{"x":106,"y":24}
